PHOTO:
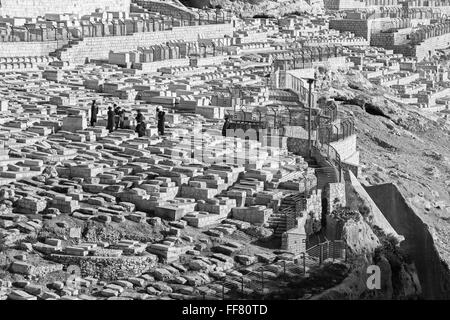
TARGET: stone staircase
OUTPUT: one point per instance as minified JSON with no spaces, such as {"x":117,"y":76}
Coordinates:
{"x":278,"y":220}
{"x":59,"y":53}
{"x":324,"y":175}
{"x":315,"y":239}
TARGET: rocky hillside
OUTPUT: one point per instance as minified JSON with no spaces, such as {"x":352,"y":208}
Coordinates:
{"x":404,"y":146}
{"x":370,"y":243}
{"x":249,"y":8}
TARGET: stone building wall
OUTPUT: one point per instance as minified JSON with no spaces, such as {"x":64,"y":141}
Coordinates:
{"x":335,"y":195}
{"x":360,"y":28}
{"x":307,"y":214}
{"x":294,"y":241}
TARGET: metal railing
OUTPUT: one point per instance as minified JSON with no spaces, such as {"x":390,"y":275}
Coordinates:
{"x":330,"y":154}
{"x":329,"y":133}
{"x":335,"y":249}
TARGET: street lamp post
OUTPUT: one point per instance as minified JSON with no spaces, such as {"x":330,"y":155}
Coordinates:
{"x":310,"y":83}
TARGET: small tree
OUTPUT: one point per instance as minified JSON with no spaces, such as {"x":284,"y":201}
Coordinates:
{"x":364,"y":210}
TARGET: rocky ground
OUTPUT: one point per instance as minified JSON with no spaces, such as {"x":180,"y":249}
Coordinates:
{"x":187,"y":279}
{"x":402,"y":145}
{"x":249,"y":8}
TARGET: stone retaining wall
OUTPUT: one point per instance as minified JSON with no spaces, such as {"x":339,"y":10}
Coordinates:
{"x":430,"y":45}
{"x":34,"y":8}
{"x":99,"y":47}
{"x":108,"y":268}
{"x":360,"y":28}
{"x":28,"y":49}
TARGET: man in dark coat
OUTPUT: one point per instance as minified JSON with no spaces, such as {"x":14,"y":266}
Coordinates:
{"x":226,"y":125}
{"x":110,"y":125}
{"x":141,"y":129}
{"x":161,"y":121}
{"x":94,"y":113}
{"x":139,"y":117}
{"x":116,"y":116}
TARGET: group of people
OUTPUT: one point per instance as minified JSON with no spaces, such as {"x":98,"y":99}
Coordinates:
{"x":116,"y":119}
{"x":141,"y":126}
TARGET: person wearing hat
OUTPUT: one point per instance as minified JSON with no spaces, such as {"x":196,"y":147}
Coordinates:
{"x":116,"y":116}
{"x":122,"y":119}
{"x":110,"y":125}
{"x":139,"y":117}
{"x":226,"y":126}
{"x":141,"y":129}
{"x":94,"y":113}
{"x":161,"y":121}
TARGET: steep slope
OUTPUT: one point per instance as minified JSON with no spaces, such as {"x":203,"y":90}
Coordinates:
{"x":249,"y":8}
{"x":404,"y":146}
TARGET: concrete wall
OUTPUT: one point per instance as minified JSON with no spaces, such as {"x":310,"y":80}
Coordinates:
{"x":433,"y":272}
{"x":377,"y":217}
{"x":34,"y":8}
{"x":347,"y":149}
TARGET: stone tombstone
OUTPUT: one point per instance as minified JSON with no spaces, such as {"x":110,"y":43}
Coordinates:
{"x":156,"y":53}
{"x":75,"y":233}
